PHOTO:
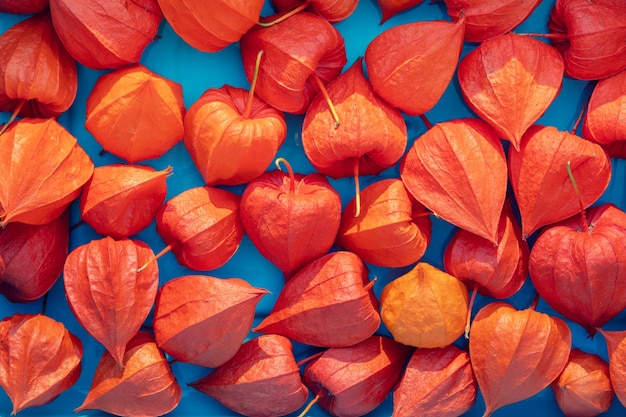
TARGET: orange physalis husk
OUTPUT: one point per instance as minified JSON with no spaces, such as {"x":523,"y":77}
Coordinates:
{"x":121,"y":200}
{"x":203,"y":320}
{"x":201,"y":226}
{"x":411,"y":65}
{"x":232,"y":136}
{"x":457,"y":169}
{"x":43,"y":170}
{"x":390,"y":8}
{"x":327,"y":303}
{"x":425,"y":307}
{"x":136,"y":114}
{"x":605,"y":120}
{"x":32,"y":258}
{"x":530,"y":350}
{"x":110,"y":299}
{"x":210,"y":27}
{"x":510,"y":81}
{"x":486,"y":19}
{"x":103,"y":34}
{"x":354,"y":380}
{"x":37,"y":73}
{"x":539,"y":178}
{"x":23,"y":6}
{"x":584,"y":387}
{"x":331,"y":10}
{"x":143,"y":385}
{"x":436,"y":383}
{"x":39,"y":359}
{"x":616,"y":344}
{"x":261,"y":380}
{"x":393,"y":229}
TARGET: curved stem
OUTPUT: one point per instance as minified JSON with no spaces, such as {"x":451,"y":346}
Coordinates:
{"x":309,"y":358}
{"x":74,"y":226}
{"x":13,"y":116}
{"x":545,"y":35}
{"x":292,"y":178}
{"x":469,"y":311}
{"x":580,"y":116}
{"x":255,"y":77}
{"x":357,"y":190}
{"x":533,"y":306}
{"x":309,"y":406}
{"x":370,"y":284}
{"x":585,"y":226}
{"x":331,"y":106}
{"x":154,"y":258}
{"x":285,"y":16}
{"x":427,"y":122}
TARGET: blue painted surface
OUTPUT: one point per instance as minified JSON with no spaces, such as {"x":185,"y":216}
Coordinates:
{"x":171,"y":57}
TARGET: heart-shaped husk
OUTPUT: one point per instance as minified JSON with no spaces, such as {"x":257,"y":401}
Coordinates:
{"x":121,"y":200}
{"x":328,"y":303}
{"x":300,"y":52}
{"x":292,"y":219}
{"x":605,"y":120}
{"x":425,"y":307}
{"x":591,"y":36}
{"x":39,"y":359}
{"x":143,"y":385}
{"x":105,"y":34}
{"x":32,"y":258}
{"x":584,"y":387}
{"x":540,"y":181}
{"x":411,"y":65}
{"x":264,"y":370}
{"x":146,"y":106}
{"x":393,"y":229}
{"x":436,"y":383}
{"x":43,"y":170}
{"x":110,"y":299}
{"x":531,"y":349}
{"x":203,"y":320}
{"x":616,"y":345}
{"x":331,"y":10}
{"x":354,"y":380}
{"x":458,"y":170}
{"x":510,"y":81}
{"x":578,"y":269}
{"x":37,"y":73}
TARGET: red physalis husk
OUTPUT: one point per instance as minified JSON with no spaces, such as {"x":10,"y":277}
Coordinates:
{"x":292,"y":219}
{"x":616,"y":344}
{"x":354,"y":380}
{"x":301,"y":52}
{"x":540,"y":181}
{"x":103,"y":34}
{"x":32,"y":258}
{"x":228,"y":122}
{"x":425,"y":308}
{"x":331,"y":10}
{"x":143,"y":385}
{"x":411,"y":65}
{"x":203,"y":320}
{"x":145,"y":106}
{"x":393,"y":229}
{"x":121,"y":200}
{"x":328,"y":303}
{"x":201,"y":226}
{"x":23,"y":6}
{"x":516,"y":353}
{"x":510,"y":81}
{"x":457,"y":169}
{"x":605,"y":120}
{"x":261,"y":380}
{"x":37,"y":73}
{"x":436,"y":383}
{"x":212,"y":28}
{"x":486,"y":19}
{"x":584,"y":387}
{"x":578,"y":269}
{"x":371,"y":135}
{"x":591,"y":36}
{"x":110,"y":299}
{"x":39,"y":359}
{"x":496,"y":270}
{"x":390,"y":8}
{"x":43,"y":170}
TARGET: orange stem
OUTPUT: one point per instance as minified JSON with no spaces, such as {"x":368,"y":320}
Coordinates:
{"x":331,"y":106}
{"x":285,"y":16}
{"x":13,"y":116}
{"x":469,"y":311}
{"x":292,"y":178}
{"x":255,"y":77}
{"x":546,"y":35}
{"x":309,"y":358}
{"x":370,"y":284}
{"x":580,"y":116}
{"x":308,"y":407}
{"x":585,"y":226}
{"x":533,"y":306}
{"x":357,"y":190}
{"x":154,"y":258}
{"x":426,"y":121}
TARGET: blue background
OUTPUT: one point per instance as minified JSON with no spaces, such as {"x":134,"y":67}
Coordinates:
{"x":197,"y":71}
